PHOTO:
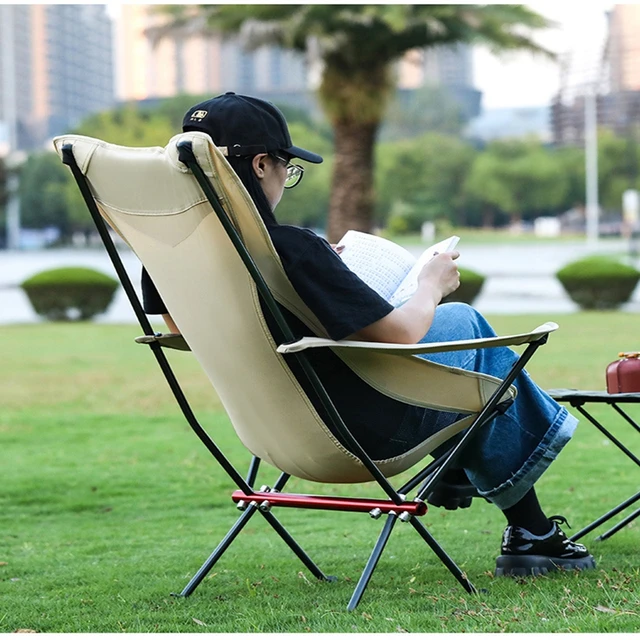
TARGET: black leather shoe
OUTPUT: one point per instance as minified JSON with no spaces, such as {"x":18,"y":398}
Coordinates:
{"x":453,"y":491}
{"x":526,"y":554}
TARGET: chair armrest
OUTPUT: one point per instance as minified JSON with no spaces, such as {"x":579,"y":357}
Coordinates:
{"x":167,"y":340}
{"x":411,"y":349}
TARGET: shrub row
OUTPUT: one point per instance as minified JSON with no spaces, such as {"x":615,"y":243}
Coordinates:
{"x":70,"y":293}
{"x":78,"y":293}
{"x":598,"y":282}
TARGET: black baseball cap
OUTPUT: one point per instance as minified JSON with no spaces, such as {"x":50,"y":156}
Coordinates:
{"x":245,"y":125}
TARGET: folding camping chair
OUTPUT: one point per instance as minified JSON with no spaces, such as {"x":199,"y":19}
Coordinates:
{"x":578,"y":400}
{"x":188,"y":218}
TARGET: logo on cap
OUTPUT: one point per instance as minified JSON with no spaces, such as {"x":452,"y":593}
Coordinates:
{"x":198,"y":115}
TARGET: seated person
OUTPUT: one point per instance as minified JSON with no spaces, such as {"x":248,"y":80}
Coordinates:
{"x":507,"y":456}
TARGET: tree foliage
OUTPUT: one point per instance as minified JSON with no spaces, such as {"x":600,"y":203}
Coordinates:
{"x":130,"y":126}
{"x":3,"y":184}
{"x":518,"y":177}
{"x":429,"y":108}
{"x":3,"y":199}
{"x":358,"y":45}
{"x":617,"y":168}
{"x":42,"y":186}
{"x":422,"y":178}
{"x":429,"y":177}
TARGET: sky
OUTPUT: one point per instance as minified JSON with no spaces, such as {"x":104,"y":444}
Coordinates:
{"x":524,"y":80}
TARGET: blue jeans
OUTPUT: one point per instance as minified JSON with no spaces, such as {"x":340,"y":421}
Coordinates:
{"x":508,"y":455}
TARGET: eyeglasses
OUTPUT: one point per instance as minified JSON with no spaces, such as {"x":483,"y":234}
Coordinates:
{"x":294,"y":172}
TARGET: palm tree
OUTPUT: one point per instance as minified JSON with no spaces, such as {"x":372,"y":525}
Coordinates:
{"x":358,"y":46}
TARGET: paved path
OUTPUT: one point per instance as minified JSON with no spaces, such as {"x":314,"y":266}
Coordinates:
{"x":519,"y":277}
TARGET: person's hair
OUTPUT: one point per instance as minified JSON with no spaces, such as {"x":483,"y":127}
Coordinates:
{"x":244,"y":169}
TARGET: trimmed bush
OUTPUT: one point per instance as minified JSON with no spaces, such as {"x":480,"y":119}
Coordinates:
{"x":471,"y":284}
{"x":598,"y":282}
{"x":70,"y":293}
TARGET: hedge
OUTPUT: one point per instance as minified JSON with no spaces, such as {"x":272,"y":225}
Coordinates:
{"x":70,"y":293}
{"x":598,"y":282}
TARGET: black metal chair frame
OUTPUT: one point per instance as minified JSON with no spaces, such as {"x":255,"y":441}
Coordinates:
{"x":250,"y":501}
{"x":578,"y":400}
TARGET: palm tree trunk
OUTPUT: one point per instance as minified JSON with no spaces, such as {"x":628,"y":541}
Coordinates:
{"x":355,"y":100}
{"x":351,"y":202}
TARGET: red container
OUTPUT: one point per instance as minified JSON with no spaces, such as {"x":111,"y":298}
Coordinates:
{"x":623,"y":376}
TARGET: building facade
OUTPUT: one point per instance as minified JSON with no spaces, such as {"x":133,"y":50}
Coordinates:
{"x":154,"y":62}
{"x":57,"y":67}
{"x":16,"y":71}
{"x":623,"y":59}
{"x":450,"y":68}
{"x":616,"y":84}
{"x":79,"y":63}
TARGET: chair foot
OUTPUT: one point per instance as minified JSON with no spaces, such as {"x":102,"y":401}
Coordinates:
{"x":218,"y":551}
{"x":372,"y":562}
{"x":294,"y":546}
{"x":454,"y":569}
{"x":606,"y":517}
{"x":623,"y":523}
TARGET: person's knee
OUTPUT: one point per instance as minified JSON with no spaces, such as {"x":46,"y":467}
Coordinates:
{"x":469,"y":321}
{"x":458,"y":311}
{"x":457,"y":307}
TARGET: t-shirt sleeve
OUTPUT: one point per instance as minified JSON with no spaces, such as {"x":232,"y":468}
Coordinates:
{"x":341,"y":301}
{"x":151,"y":301}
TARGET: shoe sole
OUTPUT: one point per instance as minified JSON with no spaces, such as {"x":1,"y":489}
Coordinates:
{"x":539,"y":565}
{"x":452,"y":496}
{"x":449,"y":502}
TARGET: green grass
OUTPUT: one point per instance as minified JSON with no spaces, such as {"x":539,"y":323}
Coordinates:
{"x":109,"y":503}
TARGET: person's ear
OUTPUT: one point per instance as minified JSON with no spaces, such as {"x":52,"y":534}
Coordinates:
{"x":258,"y":164}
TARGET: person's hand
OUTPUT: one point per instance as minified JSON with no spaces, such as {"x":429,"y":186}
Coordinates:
{"x":338,"y":248}
{"x":441,"y":272}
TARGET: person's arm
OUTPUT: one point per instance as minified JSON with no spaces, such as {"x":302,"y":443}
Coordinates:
{"x":409,"y":323}
{"x":171,"y":325}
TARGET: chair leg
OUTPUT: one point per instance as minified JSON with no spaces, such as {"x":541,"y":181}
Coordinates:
{"x":620,"y":525}
{"x":608,"y":434}
{"x":445,"y":559}
{"x":372,"y":562}
{"x":230,"y":537}
{"x":627,"y":417}
{"x":219,"y":550}
{"x":607,"y":516}
{"x":296,"y":548}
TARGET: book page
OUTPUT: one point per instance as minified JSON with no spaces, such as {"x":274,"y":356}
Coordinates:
{"x":409,"y":284}
{"x":380,"y":263}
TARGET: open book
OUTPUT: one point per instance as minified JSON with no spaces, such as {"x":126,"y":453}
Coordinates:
{"x":385,"y":266}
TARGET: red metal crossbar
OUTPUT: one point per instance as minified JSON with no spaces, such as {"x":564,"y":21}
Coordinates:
{"x":332,"y":503}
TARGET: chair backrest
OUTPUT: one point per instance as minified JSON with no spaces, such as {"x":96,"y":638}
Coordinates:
{"x":155,"y":204}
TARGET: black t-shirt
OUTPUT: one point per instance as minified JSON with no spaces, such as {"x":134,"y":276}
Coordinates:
{"x":344,"y":304}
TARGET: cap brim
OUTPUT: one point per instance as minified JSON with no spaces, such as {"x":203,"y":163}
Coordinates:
{"x":303,"y":154}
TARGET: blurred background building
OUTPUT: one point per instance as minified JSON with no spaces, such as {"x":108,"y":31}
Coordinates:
{"x":450,"y":68}
{"x":612,"y":76}
{"x":154,"y":64}
{"x":56,"y":66}
{"x":60,"y":63}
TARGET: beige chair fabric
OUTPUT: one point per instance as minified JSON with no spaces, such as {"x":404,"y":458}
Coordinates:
{"x":154,"y":203}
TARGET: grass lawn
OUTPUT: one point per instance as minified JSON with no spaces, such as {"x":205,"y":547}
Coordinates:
{"x":109,"y":503}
